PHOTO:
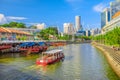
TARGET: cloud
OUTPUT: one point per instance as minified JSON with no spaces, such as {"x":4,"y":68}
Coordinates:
{"x":2,"y":19}
{"x":15,"y":18}
{"x":100,"y":7}
{"x":5,"y":19}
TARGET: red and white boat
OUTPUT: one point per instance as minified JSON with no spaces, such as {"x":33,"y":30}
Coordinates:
{"x":50,"y":57}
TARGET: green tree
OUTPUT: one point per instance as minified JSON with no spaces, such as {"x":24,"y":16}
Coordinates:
{"x":5,"y":25}
{"x":110,"y":38}
{"x":48,"y":31}
{"x":21,"y":25}
{"x":14,"y":25}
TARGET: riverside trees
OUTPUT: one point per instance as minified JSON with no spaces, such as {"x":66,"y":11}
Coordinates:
{"x":45,"y":33}
{"x":14,"y":25}
{"x":110,"y":38}
{"x":53,"y":31}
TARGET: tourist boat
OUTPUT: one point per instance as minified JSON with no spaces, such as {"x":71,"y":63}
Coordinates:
{"x":50,"y":57}
{"x":5,"y":46}
{"x":32,"y":47}
{"x":57,"y":44}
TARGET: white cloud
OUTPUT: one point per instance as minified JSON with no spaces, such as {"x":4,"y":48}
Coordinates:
{"x":99,"y":7}
{"x":5,"y":19}
{"x":15,"y":18}
{"x":2,"y":19}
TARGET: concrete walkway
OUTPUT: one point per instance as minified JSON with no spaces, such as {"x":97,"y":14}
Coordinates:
{"x":115,"y":54}
{"x":112,"y":55}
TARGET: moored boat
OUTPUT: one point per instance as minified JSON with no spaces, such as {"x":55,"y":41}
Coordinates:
{"x":50,"y":57}
{"x":56,"y":43}
{"x":5,"y":46}
{"x":33,"y":47}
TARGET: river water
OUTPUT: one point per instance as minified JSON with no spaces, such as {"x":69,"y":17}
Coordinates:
{"x":82,"y":62}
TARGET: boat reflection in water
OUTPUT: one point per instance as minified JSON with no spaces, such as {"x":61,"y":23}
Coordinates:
{"x":50,"y":57}
{"x":82,"y":62}
{"x":48,"y":69}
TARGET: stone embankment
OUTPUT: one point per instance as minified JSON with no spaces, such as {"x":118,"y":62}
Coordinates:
{"x":112,"y":55}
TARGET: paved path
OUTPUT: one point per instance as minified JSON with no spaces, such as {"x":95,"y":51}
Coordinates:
{"x":115,"y":54}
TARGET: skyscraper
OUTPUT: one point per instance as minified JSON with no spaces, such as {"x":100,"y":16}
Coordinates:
{"x":105,"y":17}
{"x":112,"y":15}
{"x":78,"y":23}
{"x":88,"y":33}
{"x":68,"y":28}
{"x":114,"y":7}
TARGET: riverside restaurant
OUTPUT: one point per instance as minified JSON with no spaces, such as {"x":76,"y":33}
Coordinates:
{"x":11,"y":35}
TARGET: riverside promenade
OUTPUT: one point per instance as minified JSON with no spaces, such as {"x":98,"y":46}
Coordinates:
{"x":67,"y":41}
{"x":112,"y":55}
{"x":7,"y":41}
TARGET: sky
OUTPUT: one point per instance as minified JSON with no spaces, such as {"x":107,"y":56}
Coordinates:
{"x":53,"y":12}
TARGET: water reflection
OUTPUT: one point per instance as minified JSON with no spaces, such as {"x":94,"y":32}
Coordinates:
{"x":82,"y":62}
{"x":48,"y":69}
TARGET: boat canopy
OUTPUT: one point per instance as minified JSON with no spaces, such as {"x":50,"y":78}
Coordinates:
{"x":52,"y":51}
{"x":28,"y":44}
{"x":23,"y":44}
{"x":41,"y":43}
{"x":31,"y":44}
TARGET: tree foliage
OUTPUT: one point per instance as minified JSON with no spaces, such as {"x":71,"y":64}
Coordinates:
{"x":83,"y":37}
{"x":48,"y":31}
{"x":65,"y":37}
{"x":14,"y":25}
{"x":110,"y":38}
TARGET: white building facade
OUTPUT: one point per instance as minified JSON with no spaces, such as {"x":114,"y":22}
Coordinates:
{"x":68,"y":28}
{"x":78,"y":23}
{"x":111,"y":25}
{"x":114,"y":7}
{"x":114,"y":17}
{"x":105,"y":17}
{"x":40,"y":26}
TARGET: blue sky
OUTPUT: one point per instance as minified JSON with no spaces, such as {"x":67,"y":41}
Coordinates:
{"x":53,"y":12}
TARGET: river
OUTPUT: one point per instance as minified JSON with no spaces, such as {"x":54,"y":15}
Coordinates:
{"x":82,"y":62}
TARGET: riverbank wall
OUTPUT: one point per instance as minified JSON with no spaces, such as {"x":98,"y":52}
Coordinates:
{"x":112,"y":56}
{"x":78,"y":42}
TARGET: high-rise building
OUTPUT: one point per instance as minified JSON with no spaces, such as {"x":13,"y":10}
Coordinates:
{"x":114,"y":7}
{"x":92,"y":32}
{"x":105,"y":17}
{"x":68,"y":28}
{"x":88,"y":33}
{"x":78,"y":23}
{"x":114,"y":17}
{"x":40,"y":26}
